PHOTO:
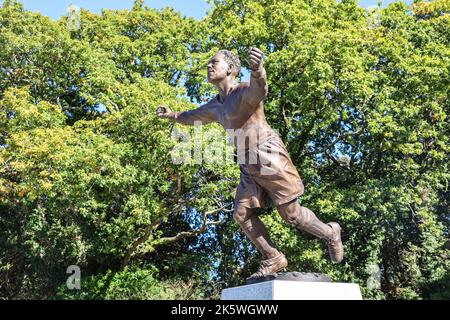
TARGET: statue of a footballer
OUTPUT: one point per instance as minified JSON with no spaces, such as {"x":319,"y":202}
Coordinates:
{"x":240,"y":106}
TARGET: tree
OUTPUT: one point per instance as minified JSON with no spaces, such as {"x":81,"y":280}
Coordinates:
{"x":359,"y":96}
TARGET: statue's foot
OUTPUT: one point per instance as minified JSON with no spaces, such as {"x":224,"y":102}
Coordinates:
{"x":270,"y":266}
{"x":335,"y":246}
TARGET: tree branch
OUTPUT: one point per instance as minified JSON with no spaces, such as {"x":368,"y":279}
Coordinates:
{"x":139,"y":241}
{"x":336,"y":162}
{"x":340,"y":137}
{"x":58,"y":101}
{"x":192,"y":233}
{"x":185,"y":234}
{"x":181,"y":235}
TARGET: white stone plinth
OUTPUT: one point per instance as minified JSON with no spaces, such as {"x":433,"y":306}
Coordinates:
{"x":293,"y":290}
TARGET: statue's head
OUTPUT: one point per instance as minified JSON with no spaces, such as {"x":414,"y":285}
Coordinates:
{"x":222,"y":65}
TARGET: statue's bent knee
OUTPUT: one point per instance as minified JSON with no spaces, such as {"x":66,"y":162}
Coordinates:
{"x":241,"y":216}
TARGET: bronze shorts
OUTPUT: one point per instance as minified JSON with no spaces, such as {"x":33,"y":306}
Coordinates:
{"x":272,"y":175}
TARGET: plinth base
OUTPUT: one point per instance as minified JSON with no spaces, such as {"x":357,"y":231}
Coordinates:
{"x":293,"y":290}
{"x":292,"y":276}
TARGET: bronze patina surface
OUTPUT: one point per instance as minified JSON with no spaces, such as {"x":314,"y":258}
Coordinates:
{"x":266,"y":168}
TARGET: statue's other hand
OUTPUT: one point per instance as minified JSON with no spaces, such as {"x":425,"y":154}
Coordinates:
{"x":163,"y":112}
{"x":255,"y":58}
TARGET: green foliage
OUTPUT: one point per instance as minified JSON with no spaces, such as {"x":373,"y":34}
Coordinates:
{"x":139,"y":284}
{"x":86,"y":175}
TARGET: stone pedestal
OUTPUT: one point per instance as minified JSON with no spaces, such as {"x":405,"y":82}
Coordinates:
{"x":292,"y":286}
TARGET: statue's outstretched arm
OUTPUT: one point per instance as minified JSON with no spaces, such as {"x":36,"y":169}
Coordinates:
{"x":202,"y":114}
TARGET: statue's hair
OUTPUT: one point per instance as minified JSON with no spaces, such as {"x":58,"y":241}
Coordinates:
{"x":232,"y":59}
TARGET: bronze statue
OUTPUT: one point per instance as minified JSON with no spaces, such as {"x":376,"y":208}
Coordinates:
{"x":240,"y":106}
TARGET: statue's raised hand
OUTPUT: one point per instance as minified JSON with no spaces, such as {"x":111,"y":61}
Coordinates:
{"x":163,"y":112}
{"x":255,"y":58}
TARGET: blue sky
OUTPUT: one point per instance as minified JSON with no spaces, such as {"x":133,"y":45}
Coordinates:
{"x":56,"y":8}
{"x":192,"y":8}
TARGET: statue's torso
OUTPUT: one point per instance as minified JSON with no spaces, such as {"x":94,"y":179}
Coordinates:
{"x":239,"y":118}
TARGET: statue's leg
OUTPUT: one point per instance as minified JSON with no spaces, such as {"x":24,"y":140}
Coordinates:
{"x":304,"y":219}
{"x":255,"y":230}
{"x":273,"y":260}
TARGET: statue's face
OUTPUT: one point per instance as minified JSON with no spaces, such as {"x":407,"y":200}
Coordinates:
{"x":218,"y":68}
